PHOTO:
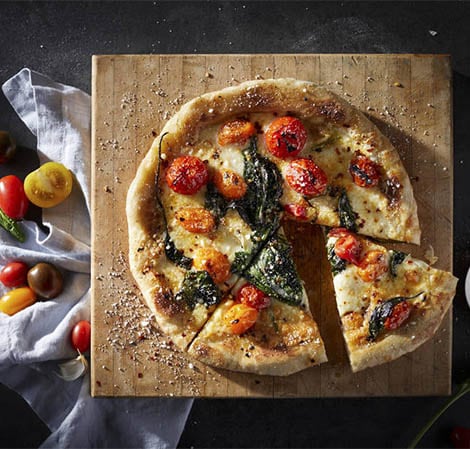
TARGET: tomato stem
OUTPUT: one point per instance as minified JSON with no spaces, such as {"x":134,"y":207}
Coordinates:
{"x":11,"y":226}
{"x":463,"y":390}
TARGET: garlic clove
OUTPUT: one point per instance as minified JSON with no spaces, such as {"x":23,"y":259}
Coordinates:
{"x":73,"y":369}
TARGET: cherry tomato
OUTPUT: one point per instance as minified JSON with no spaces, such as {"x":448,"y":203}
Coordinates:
{"x":49,"y":185}
{"x":186,"y":175}
{"x":80,"y":336}
{"x":349,"y":248}
{"x":364,"y":172}
{"x":339,"y":232}
{"x":297,"y":210}
{"x":195,"y":219}
{"x":14,"y":274}
{"x":46,"y":280}
{"x":240,"y":317}
{"x":16,"y":300}
{"x":306,"y":177}
{"x":230,"y":184}
{"x":460,"y":437}
{"x":286,"y":137}
{"x":253,"y":297}
{"x":13,"y":200}
{"x":372,"y":266}
{"x":214,"y":262}
{"x":399,"y":315}
{"x":7,"y":147}
{"x":235,"y":131}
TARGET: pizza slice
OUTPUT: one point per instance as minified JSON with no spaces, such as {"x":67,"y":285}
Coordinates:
{"x":197,"y":215}
{"x":389,"y":302}
{"x":264,"y":326}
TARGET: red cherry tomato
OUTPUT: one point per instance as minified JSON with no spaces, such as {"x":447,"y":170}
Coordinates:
{"x":399,"y":315}
{"x":297,"y":210}
{"x":186,"y":175}
{"x":338,"y":232}
{"x":253,"y":297}
{"x":460,"y":437}
{"x":13,"y":200}
{"x":306,"y":177}
{"x":286,"y":137}
{"x":14,"y":274}
{"x":364,"y":172}
{"x":80,"y":336}
{"x":349,"y":248}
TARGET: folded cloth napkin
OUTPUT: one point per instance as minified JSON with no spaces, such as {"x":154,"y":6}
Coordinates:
{"x":36,"y":339}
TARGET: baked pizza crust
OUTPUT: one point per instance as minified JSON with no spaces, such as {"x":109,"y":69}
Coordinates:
{"x":285,"y":348}
{"x":421,"y":327}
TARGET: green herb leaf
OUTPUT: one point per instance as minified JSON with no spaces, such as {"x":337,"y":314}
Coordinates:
{"x":396,"y":258}
{"x":347,"y":216}
{"x":216,"y":203}
{"x":337,"y":264}
{"x":382,"y":312}
{"x":172,"y":253}
{"x":198,"y":288}
{"x":260,"y":205}
{"x":12,"y":226}
{"x":273,"y":271}
{"x":176,"y":255}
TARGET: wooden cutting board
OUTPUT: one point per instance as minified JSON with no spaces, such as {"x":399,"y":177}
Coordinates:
{"x":407,"y":96}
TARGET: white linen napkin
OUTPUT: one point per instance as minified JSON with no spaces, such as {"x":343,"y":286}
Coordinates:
{"x":35,"y":339}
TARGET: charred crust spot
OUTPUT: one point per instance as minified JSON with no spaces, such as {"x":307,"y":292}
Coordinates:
{"x":392,"y":189}
{"x":165,"y":302}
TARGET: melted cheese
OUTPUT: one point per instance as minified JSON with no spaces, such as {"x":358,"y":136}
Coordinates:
{"x":355,"y":295}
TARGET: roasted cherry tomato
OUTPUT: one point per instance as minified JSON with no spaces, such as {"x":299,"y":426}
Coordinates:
{"x":230,"y":184}
{"x":399,"y":315}
{"x":16,"y":300}
{"x":214,"y":262}
{"x":460,"y":437}
{"x":13,"y":200}
{"x":186,"y":175}
{"x":195,"y":219}
{"x":14,"y":274}
{"x":49,"y":185}
{"x":80,"y":336}
{"x":339,"y":232}
{"x":298,"y":211}
{"x":253,"y":297}
{"x":286,"y":137}
{"x":235,"y":131}
{"x":7,"y":147}
{"x":45,"y":279}
{"x":364,"y":172}
{"x":349,"y":248}
{"x":240,"y":317}
{"x":306,"y":177}
{"x":372,"y":266}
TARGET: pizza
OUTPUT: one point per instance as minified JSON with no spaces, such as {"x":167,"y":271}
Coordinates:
{"x":205,"y":211}
{"x":389,"y":302}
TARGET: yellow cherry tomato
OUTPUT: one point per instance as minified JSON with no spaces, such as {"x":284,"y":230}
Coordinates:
{"x":49,"y":185}
{"x":16,"y":300}
{"x":240,"y":318}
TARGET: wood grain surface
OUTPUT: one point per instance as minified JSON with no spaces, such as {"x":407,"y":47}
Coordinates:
{"x":407,"y":96}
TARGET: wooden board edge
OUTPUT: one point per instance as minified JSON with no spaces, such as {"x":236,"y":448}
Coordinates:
{"x":94,"y":104}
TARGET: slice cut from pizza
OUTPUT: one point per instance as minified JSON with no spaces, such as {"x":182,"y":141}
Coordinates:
{"x":264,"y":326}
{"x":389,"y":302}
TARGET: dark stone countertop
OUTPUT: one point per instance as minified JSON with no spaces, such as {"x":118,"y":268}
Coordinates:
{"x":58,"y":39}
